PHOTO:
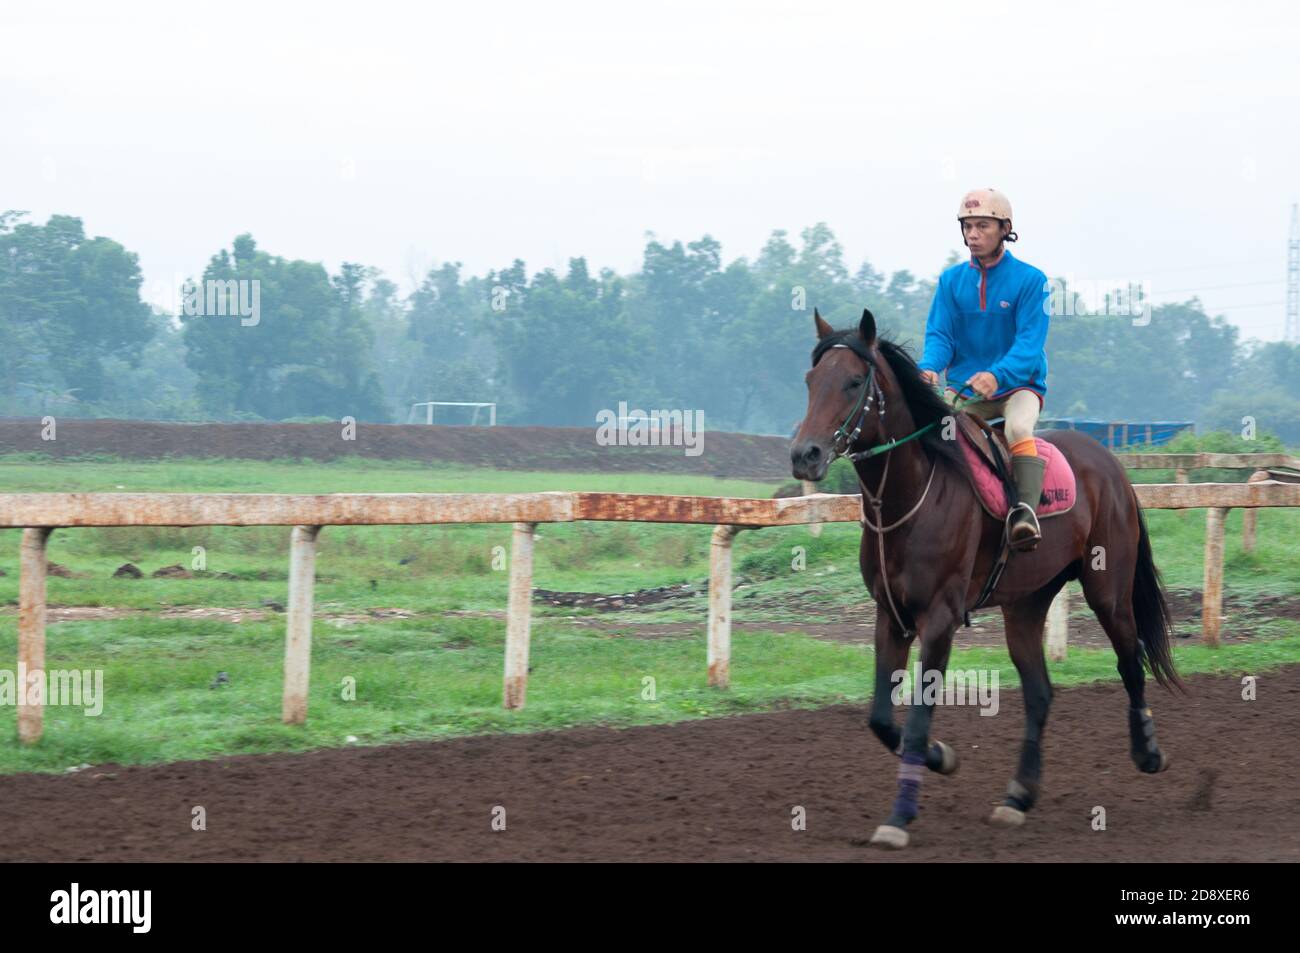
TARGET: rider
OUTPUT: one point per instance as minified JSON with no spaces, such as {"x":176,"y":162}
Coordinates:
{"x":987,"y":328}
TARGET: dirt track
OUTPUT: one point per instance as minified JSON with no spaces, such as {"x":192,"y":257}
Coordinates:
{"x":721,"y":789}
{"x":514,"y":448}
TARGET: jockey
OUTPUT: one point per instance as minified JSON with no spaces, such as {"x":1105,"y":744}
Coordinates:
{"x":987,"y":328}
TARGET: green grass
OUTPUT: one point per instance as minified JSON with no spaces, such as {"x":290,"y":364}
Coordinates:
{"x":438,"y":674}
{"x":422,"y":679}
{"x":31,"y":473}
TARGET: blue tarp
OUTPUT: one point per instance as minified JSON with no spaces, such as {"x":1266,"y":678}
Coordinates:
{"x":1121,"y":433}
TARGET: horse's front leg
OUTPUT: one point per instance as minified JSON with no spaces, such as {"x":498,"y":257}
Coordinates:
{"x":892,"y":648}
{"x":935,"y":629}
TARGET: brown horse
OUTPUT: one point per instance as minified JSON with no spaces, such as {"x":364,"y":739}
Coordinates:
{"x":928,"y":547}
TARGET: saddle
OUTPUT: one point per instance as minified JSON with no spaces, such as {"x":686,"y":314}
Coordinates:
{"x":990,"y":444}
{"x":988,"y":459}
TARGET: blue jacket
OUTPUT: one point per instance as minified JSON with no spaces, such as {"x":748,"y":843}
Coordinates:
{"x":993,"y":320}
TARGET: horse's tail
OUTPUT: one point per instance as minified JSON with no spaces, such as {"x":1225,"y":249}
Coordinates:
{"x":1151,"y":610}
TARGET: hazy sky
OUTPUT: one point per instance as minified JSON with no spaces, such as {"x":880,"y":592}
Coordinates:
{"x":1138,"y":141}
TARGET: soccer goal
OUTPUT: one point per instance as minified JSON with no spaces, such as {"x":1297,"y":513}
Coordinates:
{"x":478,"y":406}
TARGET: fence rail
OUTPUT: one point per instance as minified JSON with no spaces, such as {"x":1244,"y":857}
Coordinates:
{"x":1207,"y":461}
{"x":39,"y":514}
{"x":56,"y":510}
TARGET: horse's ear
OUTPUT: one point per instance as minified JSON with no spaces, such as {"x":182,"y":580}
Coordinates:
{"x":867,"y":328}
{"x":823,"y":329}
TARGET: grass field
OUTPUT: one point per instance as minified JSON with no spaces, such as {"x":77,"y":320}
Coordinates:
{"x":435,"y":669}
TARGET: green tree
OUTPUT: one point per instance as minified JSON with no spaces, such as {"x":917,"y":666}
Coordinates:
{"x":449,"y":321}
{"x":569,"y":349}
{"x":306,"y":353}
{"x":67,"y":304}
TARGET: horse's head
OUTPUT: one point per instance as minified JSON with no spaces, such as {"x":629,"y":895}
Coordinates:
{"x":842,"y":396}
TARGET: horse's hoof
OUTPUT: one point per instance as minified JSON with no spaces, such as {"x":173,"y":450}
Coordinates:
{"x":894,"y":838}
{"x":1146,"y":766}
{"x":949,"y":763}
{"x":1004,"y":815}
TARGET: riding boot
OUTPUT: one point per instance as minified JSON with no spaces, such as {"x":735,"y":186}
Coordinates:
{"x":1024,"y":531}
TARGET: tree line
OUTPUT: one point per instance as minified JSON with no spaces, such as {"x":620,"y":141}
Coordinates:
{"x":688,"y":330}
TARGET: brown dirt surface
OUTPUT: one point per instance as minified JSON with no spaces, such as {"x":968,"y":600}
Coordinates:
{"x":732,"y":455}
{"x":714,"y":790}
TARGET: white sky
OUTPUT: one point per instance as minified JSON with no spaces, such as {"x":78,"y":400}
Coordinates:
{"x":1138,"y":141}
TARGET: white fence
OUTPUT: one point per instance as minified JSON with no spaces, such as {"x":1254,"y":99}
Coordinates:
{"x":38,"y":514}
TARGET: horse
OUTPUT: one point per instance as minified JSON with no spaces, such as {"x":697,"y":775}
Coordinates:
{"x":929,"y":548}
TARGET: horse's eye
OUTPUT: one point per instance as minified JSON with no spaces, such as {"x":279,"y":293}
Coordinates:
{"x":855,"y":383}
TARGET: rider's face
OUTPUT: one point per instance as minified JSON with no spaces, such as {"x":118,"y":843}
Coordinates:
{"x":982,"y":234}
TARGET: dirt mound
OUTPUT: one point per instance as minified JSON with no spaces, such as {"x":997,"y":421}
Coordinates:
{"x":172,"y":572}
{"x":721,"y":789}
{"x":502,"y":448}
{"x":608,"y":603}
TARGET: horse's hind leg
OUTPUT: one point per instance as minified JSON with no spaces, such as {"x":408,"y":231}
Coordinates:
{"x":1112,"y":601}
{"x":1024,"y":625}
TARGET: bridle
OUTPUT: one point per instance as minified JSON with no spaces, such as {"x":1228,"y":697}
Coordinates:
{"x":844,"y":439}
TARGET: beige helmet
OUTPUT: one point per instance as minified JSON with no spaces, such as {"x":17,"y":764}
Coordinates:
{"x":986,"y":203}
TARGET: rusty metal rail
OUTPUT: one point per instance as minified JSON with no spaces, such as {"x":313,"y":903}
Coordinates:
{"x":39,"y":514}
{"x":22,"y":510}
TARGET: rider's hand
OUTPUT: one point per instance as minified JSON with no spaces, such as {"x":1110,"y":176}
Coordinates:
{"x":984,"y":384}
{"x":930,"y":377}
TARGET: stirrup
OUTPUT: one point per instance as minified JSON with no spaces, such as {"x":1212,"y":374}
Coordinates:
{"x":1023,"y":543}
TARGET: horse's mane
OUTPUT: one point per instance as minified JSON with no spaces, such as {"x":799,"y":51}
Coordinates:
{"x":925,"y":405}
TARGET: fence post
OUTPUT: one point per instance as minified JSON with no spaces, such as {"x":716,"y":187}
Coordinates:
{"x":720,"y":606}
{"x":519,"y":615}
{"x":297,"y":636}
{"x":1182,"y":476}
{"x":1248,"y":517}
{"x":1212,"y":598}
{"x":31,"y":633}
{"x":809,"y":488}
{"x":1058,"y":625}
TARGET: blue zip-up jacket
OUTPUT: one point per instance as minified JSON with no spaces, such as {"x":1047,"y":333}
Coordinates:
{"x":990,"y":319}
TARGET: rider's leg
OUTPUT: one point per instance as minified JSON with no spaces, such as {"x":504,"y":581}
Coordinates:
{"x":1021,"y":413}
{"x":984,"y":409}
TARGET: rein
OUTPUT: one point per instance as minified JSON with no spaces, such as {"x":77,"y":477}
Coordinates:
{"x":844,"y":439}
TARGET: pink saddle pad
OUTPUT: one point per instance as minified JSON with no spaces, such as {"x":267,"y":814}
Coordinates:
{"x":1058,"y":481}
